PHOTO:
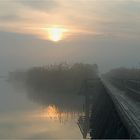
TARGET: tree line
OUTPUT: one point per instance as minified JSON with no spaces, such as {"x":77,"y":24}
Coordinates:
{"x":60,"y":78}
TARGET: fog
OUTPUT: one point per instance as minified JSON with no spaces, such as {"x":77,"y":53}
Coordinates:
{"x":21,"y":51}
{"x":38,"y":37}
{"x":102,"y":32}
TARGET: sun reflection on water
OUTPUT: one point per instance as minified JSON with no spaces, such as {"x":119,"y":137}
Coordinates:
{"x":51,"y":112}
{"x":55,"y":114}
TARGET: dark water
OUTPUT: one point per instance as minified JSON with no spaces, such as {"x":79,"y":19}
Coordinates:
{"x":23,"y":116}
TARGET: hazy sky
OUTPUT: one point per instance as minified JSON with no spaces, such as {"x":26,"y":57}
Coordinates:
{"x":105,"y":32}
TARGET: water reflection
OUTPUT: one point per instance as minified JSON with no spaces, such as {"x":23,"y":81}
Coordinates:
{"x":64,"y":102}
{"x":31,"y":124}
{"x":54,"y":114}
{"x":49,"y":119}
{"x":62,"y":107}
{"x":51,"y":112}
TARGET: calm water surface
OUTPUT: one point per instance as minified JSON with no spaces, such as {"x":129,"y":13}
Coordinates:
{"x":22,"y":118}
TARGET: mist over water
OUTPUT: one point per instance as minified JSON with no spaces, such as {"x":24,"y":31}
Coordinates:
{"x":31,"y":119}
{"x":49,"y":49}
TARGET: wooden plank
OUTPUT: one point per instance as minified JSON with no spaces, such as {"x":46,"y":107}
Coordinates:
{"x":126,"y":108}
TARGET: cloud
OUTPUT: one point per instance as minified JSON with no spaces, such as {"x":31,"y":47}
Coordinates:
{"x":10,"y":17}
{"x":41,"y":5}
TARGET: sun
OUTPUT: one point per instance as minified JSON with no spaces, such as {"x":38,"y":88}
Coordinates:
{"x":56,"y":33}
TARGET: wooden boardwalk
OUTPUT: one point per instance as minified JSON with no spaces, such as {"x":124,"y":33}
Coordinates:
{"x":128,"y":108}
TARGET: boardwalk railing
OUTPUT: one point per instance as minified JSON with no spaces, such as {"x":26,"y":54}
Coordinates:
{"x":127,"y":102}
{"x":131,"y":86}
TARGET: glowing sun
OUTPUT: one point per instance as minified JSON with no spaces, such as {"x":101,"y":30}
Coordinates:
{"x":56,"y":33}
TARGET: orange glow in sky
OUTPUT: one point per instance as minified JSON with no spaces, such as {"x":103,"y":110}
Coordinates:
{"x":56,"y":33}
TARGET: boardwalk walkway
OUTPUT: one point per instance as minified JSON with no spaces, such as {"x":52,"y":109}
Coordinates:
{"x":127,"y":107}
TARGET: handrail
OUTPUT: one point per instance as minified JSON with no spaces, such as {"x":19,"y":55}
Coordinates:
{"x":126,"y":113}
{"x":126,"y":83}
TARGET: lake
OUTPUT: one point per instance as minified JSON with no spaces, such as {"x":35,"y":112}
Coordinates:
{"x":21,"y":117}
